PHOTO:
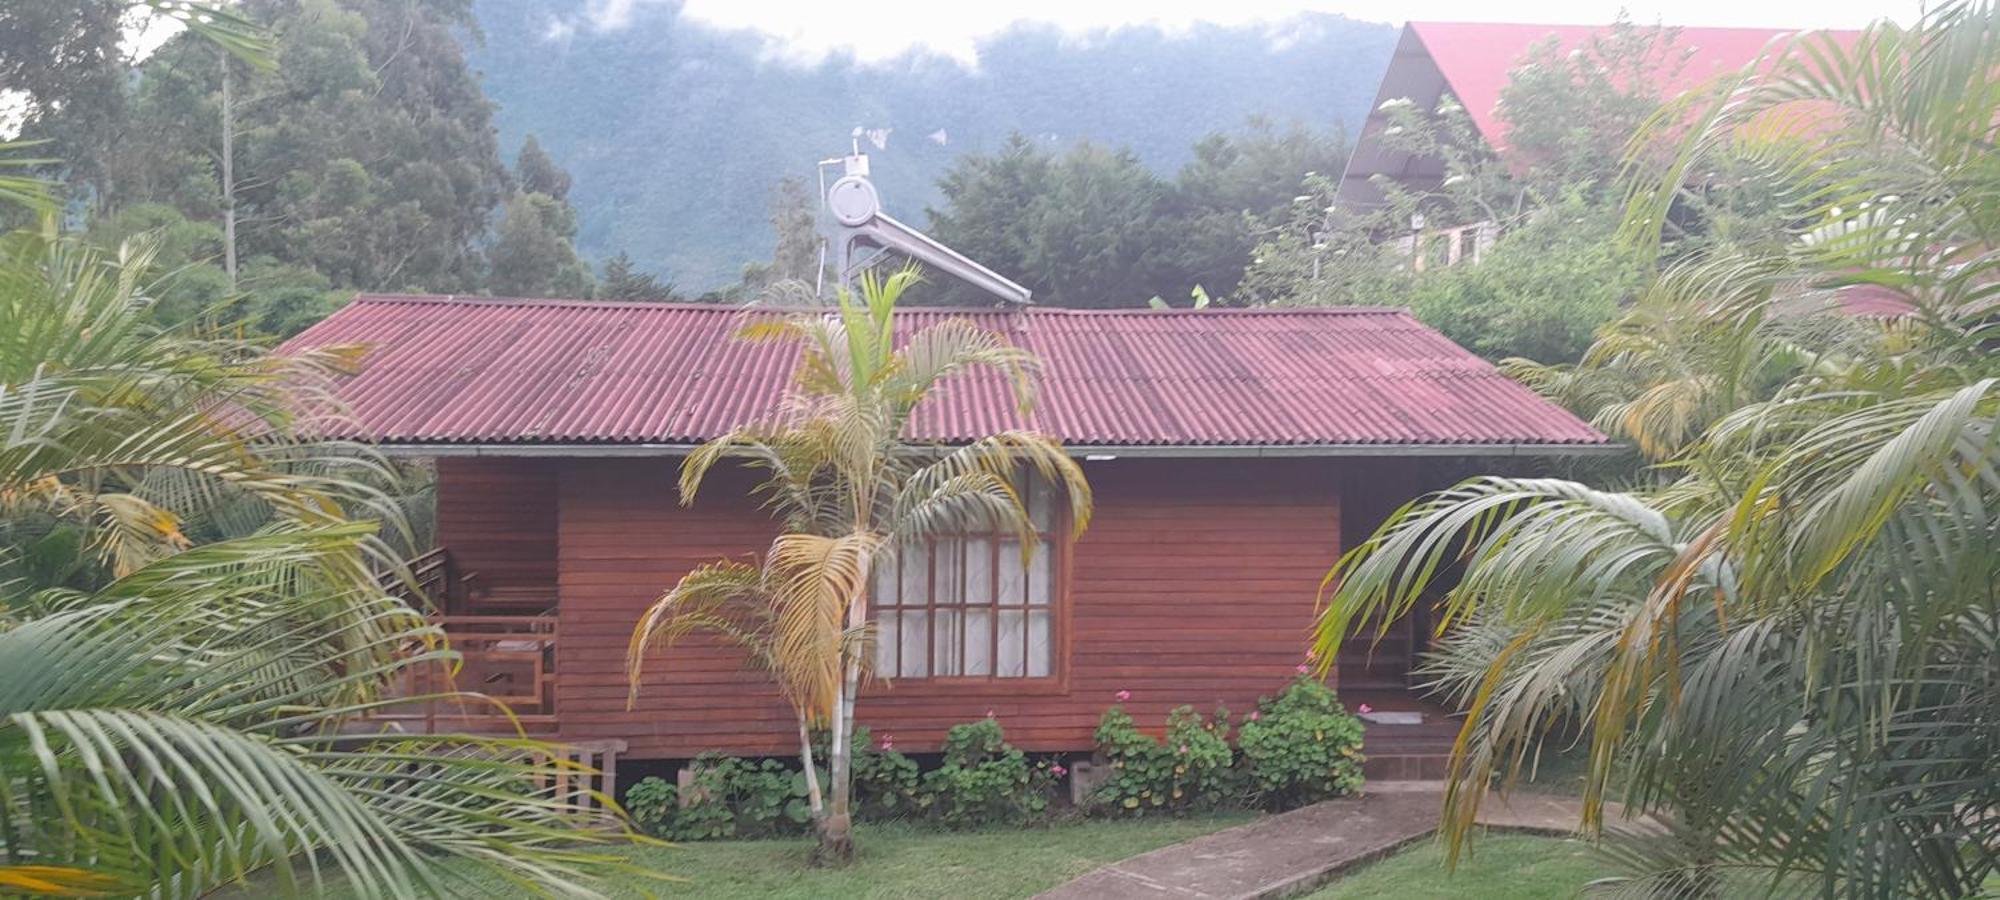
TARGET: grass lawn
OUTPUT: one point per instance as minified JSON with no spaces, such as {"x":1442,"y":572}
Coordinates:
{"x":1502,"y":867}
{"x":904,"y":861}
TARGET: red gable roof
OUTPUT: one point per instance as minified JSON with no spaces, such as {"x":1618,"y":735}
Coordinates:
{"x":1476,"y":58}
{"x":446,"y":370}
{"x":1473,"y":61}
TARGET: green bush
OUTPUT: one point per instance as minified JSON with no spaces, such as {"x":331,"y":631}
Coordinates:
{"x":1299,"y":748}
{"x":739,"y":798}
{"x":1189,"y":771}
{"x":651,"y":804}
{"x":887,"y":785}
{"x":984,"y":781}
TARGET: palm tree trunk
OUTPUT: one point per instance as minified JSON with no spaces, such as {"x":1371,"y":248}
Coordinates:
{"x":813,"y":798}
{"x":228,"y":178}
{"x":836,"y":836}
{"x":836,"y":828}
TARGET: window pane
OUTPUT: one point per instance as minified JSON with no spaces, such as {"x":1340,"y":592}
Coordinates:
{"x":882,"y":581}
{"x":948,"y":571}
{"x":885,"y":643}
{"x":1010,"y":663}
{"x":945,"y":650}
{"x":916,"y":566}
{"x":1041,"y":574}
{"x":916,"y":650}
{"x":1013,"y":581}
{"x":978,"y":572}
{"x":1039,"y":646}
{"x":978,"y":642}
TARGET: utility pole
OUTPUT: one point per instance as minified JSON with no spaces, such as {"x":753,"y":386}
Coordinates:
{"x":228,"y":177}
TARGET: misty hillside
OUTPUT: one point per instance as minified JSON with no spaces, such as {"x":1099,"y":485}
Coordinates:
{"x":675,"y":133}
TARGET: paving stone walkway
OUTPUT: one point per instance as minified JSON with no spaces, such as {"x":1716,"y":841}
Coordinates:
{"x":1290,"y":854}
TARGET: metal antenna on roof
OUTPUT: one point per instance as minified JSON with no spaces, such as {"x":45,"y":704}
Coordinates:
{"x":859,"y":223}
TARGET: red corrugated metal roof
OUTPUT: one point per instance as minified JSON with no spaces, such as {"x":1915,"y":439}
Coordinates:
{"x":453,"y":370}
{"x":1477,"y":57}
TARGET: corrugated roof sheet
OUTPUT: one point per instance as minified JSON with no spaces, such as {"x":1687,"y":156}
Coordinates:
{"x":454,"y":370}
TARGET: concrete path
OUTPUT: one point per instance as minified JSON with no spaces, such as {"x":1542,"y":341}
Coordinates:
{"x":1290,"y":854}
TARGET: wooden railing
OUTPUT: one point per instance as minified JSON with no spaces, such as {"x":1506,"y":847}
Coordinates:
{"x":507,"y":665}
{"x":596,"y":779}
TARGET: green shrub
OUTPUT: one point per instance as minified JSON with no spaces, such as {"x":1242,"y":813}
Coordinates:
{"x":1189,"y":771}
{"x":651,"y":803}
{"x":984,"y":781}
{"x":1299,"y":748}
{"x":887,"y":785}
{"x":738,"y":798}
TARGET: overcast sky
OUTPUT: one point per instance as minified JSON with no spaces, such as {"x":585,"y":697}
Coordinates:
{"x":807,"y":30}
{"x":879,"y":29}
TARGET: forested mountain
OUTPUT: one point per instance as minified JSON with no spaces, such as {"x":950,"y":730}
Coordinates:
{"x":677,"y":134}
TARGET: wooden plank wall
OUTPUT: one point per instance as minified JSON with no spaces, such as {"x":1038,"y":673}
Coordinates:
{"x":1195,"y":584}
{"x":497,"y":517}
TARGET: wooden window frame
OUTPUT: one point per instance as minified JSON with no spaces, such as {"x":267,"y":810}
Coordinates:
{"x":1056,"y":541}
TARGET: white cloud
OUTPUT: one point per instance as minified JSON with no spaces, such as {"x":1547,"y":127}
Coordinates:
{"x":609,"y":15}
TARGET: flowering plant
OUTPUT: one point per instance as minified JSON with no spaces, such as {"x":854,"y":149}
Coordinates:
{"x":1300,"y":748}
{"x":1190,"y":770}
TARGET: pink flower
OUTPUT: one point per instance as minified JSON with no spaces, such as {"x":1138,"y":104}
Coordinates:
{"x":1303,"y":668}
{"x":1312,"y":654}
{"x":1255,"y":715}
{"x":1364,"y":709}
{"x":1123,"y":696}
{"x":888,"y":742}
{"x":1183,"y":749}
{"x":1058,"y":771}
{"x":989,"y":713}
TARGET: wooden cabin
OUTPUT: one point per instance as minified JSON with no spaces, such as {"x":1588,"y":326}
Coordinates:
{"x":1233,"y":455}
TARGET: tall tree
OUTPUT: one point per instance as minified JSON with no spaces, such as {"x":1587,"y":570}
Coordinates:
{"x":537,"y":173}
{"x":367,"y":155}
{"x":533,"y":255}
{"x":1086,"y":228}
{"x":1091,"y":227}
{"x":1237,"y":186}
{"x":623,"y":281}
{"x":792,"y":277}
{"x":66,"y":67}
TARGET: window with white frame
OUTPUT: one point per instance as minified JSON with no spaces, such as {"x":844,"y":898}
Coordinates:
{"x":969,"y":605}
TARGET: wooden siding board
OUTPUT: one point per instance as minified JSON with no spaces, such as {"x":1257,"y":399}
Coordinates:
{"x":498,"y":518}
{"x":1193,"y":587}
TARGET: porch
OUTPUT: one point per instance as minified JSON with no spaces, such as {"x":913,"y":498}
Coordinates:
{"x":506,"y":638}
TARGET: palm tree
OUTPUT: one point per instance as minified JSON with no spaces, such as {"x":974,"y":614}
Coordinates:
{"x":850,"y":488}
{"x":184,"y":713}
{"x":1785,"y":646}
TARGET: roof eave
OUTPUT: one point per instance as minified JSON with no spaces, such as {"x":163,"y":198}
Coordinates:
{"x":1086,"y":451}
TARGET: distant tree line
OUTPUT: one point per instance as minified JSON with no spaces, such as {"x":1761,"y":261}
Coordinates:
{"x":1091,"y":226}
{"x":365,"y":159}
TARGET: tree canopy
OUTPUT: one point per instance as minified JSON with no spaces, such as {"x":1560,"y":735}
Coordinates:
{"x":1095,"y":227}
